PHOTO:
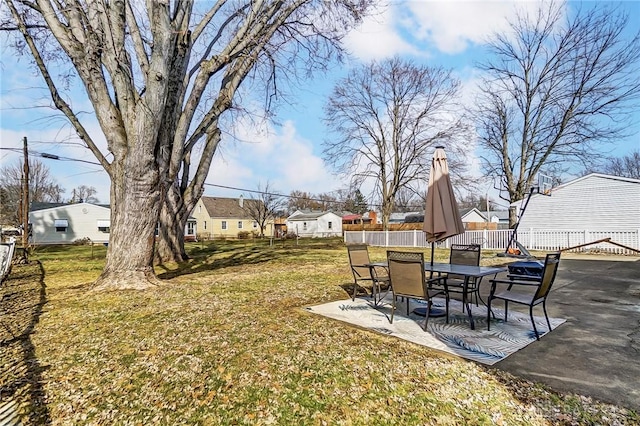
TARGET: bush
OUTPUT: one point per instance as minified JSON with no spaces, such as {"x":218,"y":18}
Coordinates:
{"x":244,"y":235}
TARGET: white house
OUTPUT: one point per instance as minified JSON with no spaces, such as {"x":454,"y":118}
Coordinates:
{"x":55,"y":223}
{"x":472,"y":215}
{"x":66,"y":223}
{"x":592,"y":202}
{"x":315,"y":224}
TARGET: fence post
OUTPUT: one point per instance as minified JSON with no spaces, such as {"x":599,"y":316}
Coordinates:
{"x":531,"y":241}
{"x":415,"y":238}
{"x":485,"y":236}
{"x":586,"y":237}
{"x":364,"y":237}
{"x":386,"y":238}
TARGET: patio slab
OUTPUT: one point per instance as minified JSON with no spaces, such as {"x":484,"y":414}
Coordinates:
{"x":595,"y":352}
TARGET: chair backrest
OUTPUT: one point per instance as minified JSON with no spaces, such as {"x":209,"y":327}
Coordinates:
{"x":406,"y":273}
{"x":464,"y":254}
{"x":359,"y":255}
{"x":551,"y":263}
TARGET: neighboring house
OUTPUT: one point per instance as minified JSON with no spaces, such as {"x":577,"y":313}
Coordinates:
{"x":592,"y":202}
{"x":472,"y":215}
{"x":315,"y":224}
{"x":501,"y":217}
{"x":402,"y":216}
{"x":218,"y":217}
{"x":55,"y":223}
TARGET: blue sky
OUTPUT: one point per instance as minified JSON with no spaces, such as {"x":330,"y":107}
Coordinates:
{"x":288,"y":155}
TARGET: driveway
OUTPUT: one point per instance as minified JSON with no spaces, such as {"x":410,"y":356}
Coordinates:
{"x":597,"y":351}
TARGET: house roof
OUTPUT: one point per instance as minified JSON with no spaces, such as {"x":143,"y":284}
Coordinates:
{"x":36,"y":206}
{"x":352,"y":217}
{"x":308,"y":215}
{"x":465,"y":212}
{"x":500,"y":214}
{"x":227,"y":207}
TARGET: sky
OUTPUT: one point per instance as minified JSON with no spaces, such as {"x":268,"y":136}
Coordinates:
{"x":288,"y":154}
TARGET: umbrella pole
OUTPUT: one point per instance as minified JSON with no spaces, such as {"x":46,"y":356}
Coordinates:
{"x":433,"y":246}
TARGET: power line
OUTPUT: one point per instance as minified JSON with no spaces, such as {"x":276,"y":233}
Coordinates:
{"x":320,"y":200}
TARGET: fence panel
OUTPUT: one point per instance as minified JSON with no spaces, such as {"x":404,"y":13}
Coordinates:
{"x":532,"y":239}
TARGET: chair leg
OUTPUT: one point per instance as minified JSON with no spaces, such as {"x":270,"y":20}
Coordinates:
{"x":489,"y":314}
{"x":535,"y":330}
{"x":426,"y":317}
{"x":393,"y":307}
{"x":544,"y":308}
{"x":355,"y":290}
{"x":446,"y":308}
{"x":408,"y":307}
{"x":506,"y":310}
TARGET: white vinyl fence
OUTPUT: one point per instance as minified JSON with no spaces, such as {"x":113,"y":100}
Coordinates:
{"x":532,"y":239}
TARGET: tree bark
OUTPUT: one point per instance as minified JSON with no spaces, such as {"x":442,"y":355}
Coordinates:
{"x":135,"y":201}
{"x":172,"y":221}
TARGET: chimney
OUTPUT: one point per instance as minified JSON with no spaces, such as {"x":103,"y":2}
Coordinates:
{"x":241,"y":202}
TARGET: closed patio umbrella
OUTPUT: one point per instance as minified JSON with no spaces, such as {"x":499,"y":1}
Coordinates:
{"x":441,"y":216}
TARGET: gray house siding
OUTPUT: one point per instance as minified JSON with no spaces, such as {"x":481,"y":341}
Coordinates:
{"x":594,"y":201}
{"x":82,"y":221}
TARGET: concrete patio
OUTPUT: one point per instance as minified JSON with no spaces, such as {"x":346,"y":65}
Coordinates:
{"x":596,"y":352}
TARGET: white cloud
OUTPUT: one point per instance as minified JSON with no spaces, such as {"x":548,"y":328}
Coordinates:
{"x":278,"y":155}
{"x":451,"y":26}
{"x":378,"y":37}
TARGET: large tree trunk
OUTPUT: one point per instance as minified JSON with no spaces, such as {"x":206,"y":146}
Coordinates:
{"x":135,"y":201}
{"x":172,"y":221}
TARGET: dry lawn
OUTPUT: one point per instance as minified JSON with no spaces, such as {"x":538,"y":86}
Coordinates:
{"x":226,"y":340}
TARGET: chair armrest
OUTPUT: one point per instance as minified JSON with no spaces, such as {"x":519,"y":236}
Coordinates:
{"x":513,"y":282}
{"x":523,"y":277}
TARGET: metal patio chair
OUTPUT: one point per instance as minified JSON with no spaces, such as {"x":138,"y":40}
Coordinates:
{"x":516,"y":292}
{"x":364,"y":272}
{"x":464,"y":254}
{"x":408,"y":279}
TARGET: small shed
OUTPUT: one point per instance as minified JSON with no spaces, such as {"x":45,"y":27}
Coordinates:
{"x":315,"y":224}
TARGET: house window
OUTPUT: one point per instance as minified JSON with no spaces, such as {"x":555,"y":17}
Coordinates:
{"x":224,"y":225}
{"x":104,"y":226}
{"x":304,"y":226}
{"x":330,"y":225}
{"x":205,"y":224}
{"x":199,"y":209}
{"x":191,"y":228}
{"x":61,"y":225}
{"x":255,"y":224}
{"x":239,"y":224}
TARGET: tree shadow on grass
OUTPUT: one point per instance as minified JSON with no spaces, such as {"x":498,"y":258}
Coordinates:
{"x":23,"y":296}
{"x":236,"y":256}
{"x":213,"y":256}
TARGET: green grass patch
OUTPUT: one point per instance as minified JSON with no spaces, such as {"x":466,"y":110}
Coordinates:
{"x":226,"y":340}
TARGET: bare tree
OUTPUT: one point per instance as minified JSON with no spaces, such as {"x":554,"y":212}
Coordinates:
{"x":407,"y":200}
{"x":626,"y":166}
{"x":84,"y":193}
{"x":387,"y":117}
{"x":263,"y":206}
{"x":160,"y":75}
{"x":555,"y":89}
{"x":42,"y":188}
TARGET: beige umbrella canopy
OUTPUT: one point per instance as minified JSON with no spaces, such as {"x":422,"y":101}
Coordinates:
{"x":441,"y":217}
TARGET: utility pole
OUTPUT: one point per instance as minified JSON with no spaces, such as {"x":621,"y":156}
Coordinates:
{"x":25,"y":198}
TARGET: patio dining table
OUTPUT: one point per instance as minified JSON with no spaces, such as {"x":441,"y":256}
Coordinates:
{"x":467,"y":271}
